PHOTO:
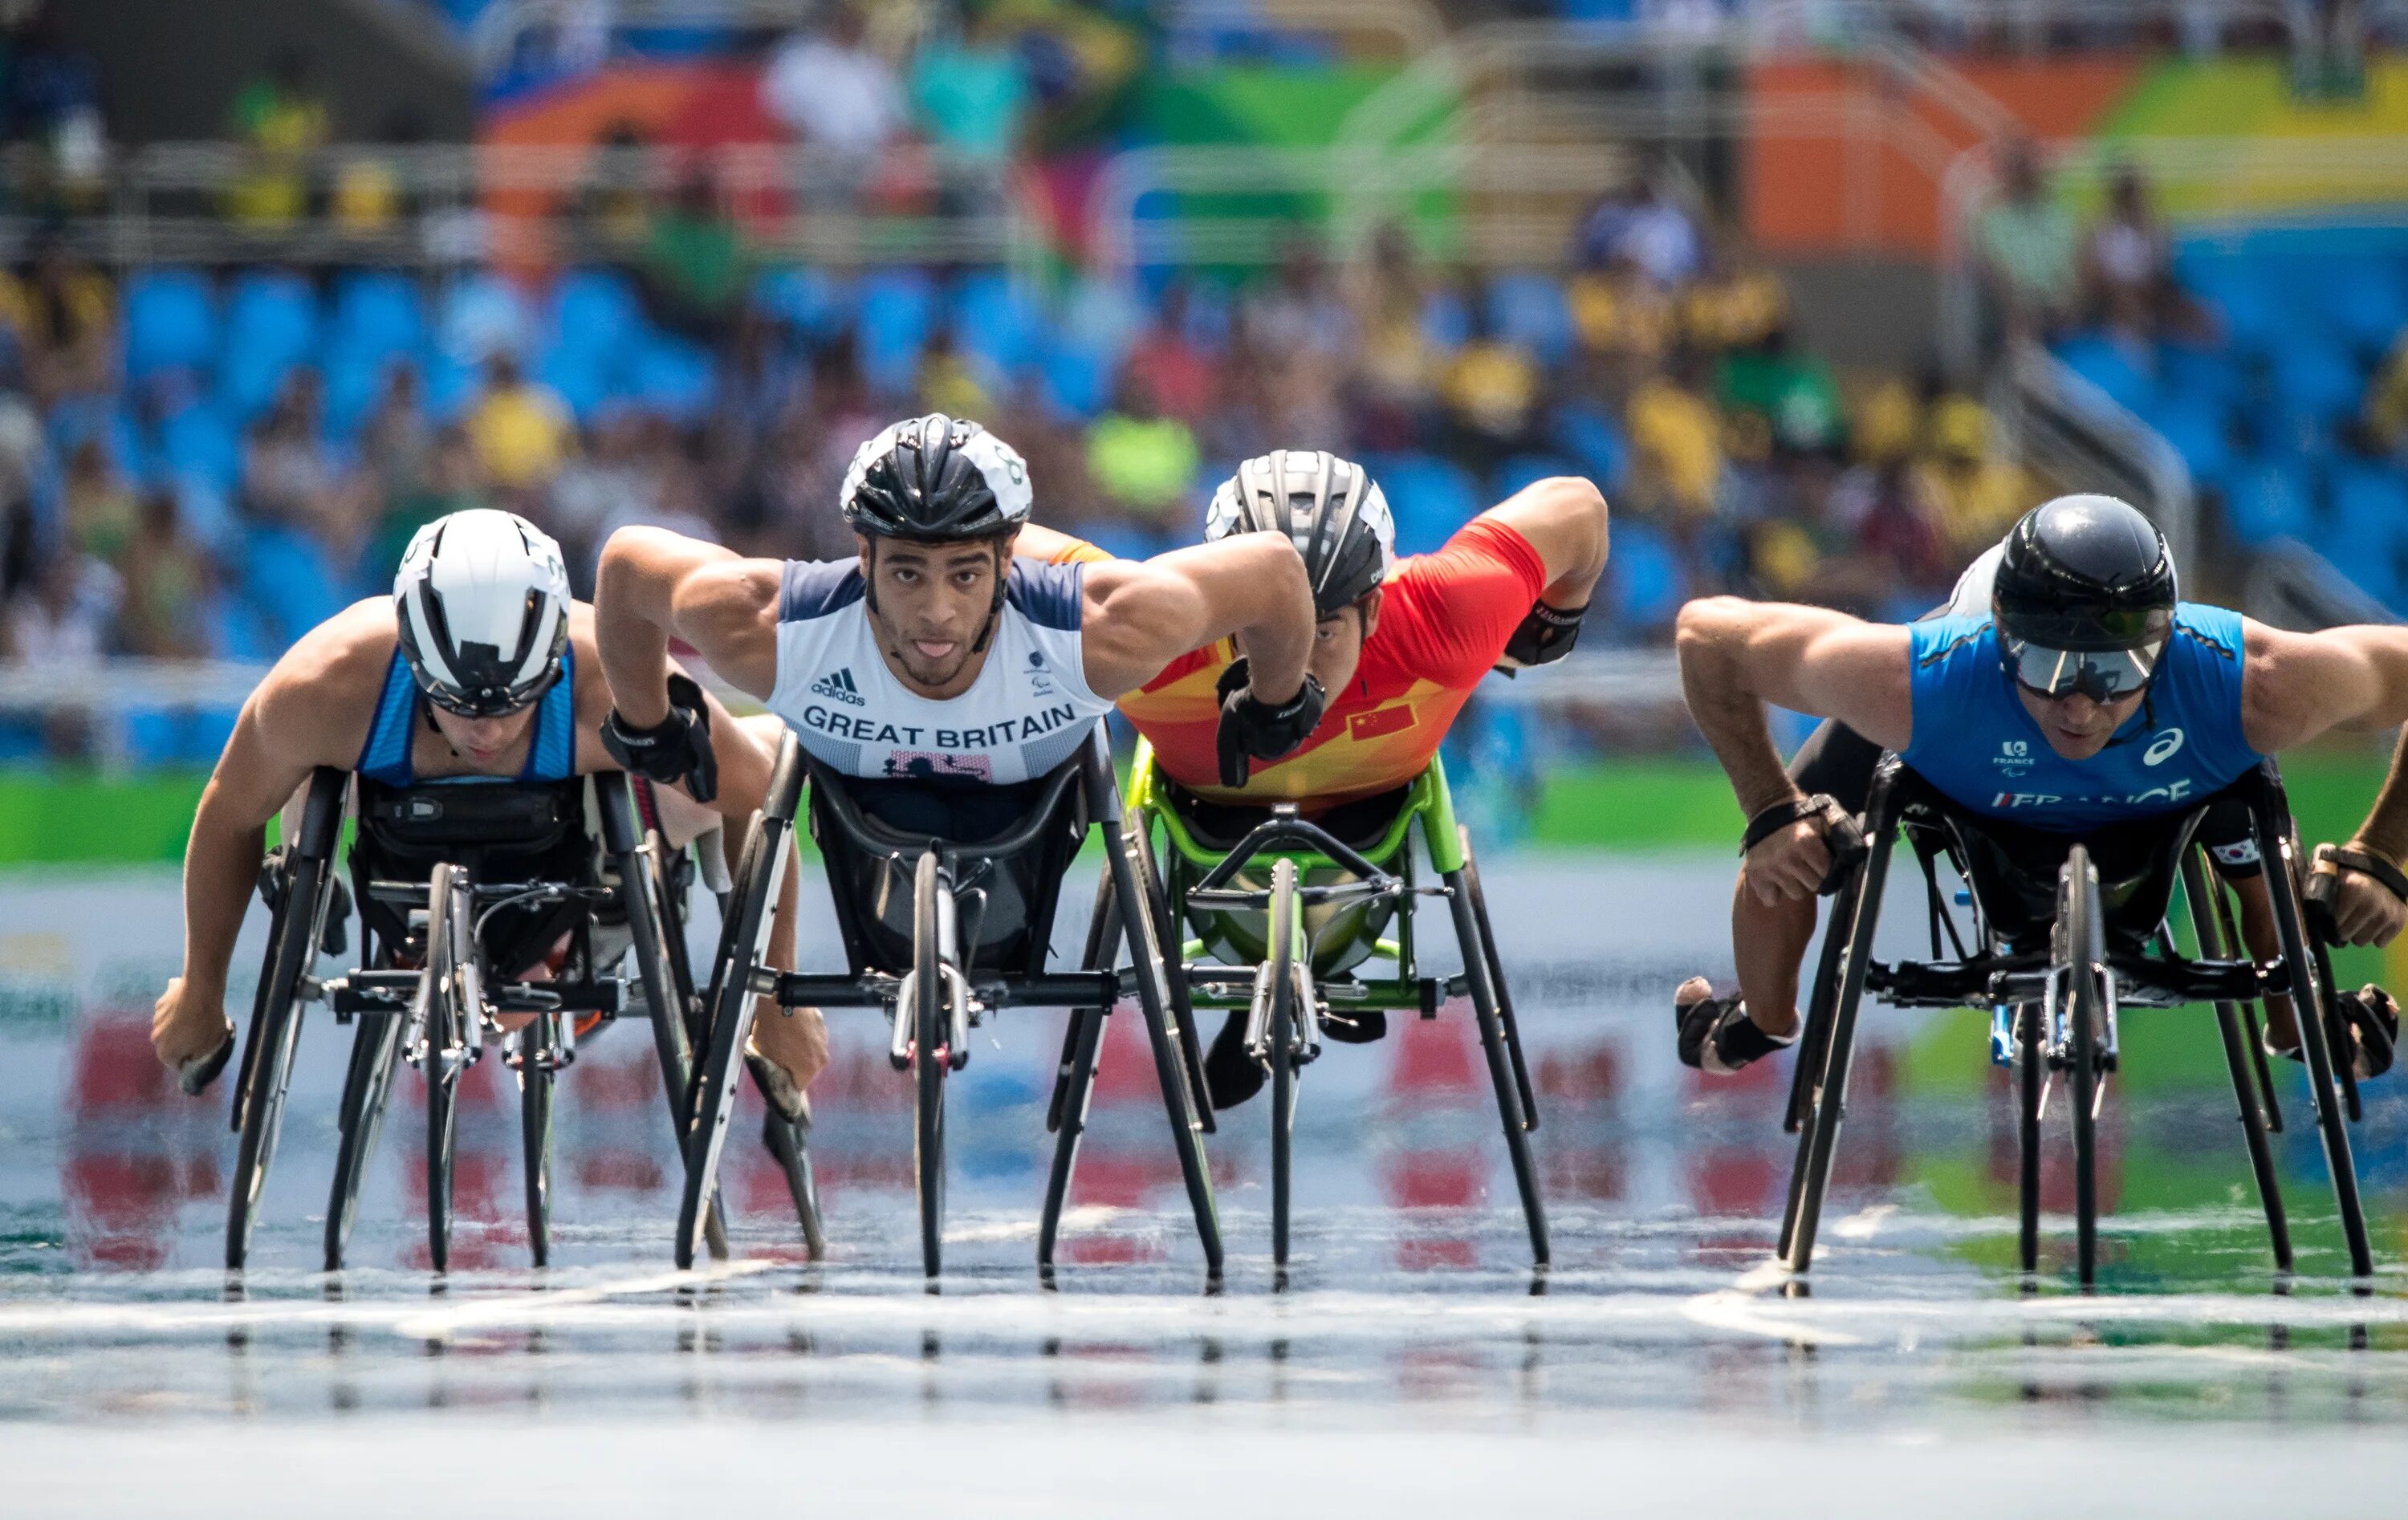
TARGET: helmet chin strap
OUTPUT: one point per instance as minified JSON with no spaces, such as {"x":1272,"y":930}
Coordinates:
{"x":995,"y":608}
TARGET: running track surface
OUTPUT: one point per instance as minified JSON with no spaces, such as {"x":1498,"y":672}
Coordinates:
{"x":1414,"y":1364}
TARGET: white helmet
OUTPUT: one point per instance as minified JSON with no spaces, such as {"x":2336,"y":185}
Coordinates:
{"x":482,"y":600}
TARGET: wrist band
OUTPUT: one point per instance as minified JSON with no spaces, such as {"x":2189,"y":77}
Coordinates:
{"x":1559,"y":617}
{"x":1772,"y":820}
{"x":2349,"y":858}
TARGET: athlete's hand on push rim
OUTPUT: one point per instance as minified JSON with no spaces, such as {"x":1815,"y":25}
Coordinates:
{"x":1789,"y":864}
{"x":182,"y":1029}
{"x":2364,"y":910}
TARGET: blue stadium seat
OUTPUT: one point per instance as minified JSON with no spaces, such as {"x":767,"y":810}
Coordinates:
{"x":1078,"y":377}
{"x":2201,"y":372}
{"x":584,"y":383}
{"x":271,"y":326}
{"x":1445,"y":323}
{"x":1430,"y":497}
{"x":2316,"y":377}
{"x":480,"y":315}
{"x":1645,"y":579}
{"x":595,"y":316}
{"x":2106,"y":363}
{"x":2368,"y":525}
{"x":1528,"y":308}
{"x":995,"y":318}
{"x":2197,"y":431}
{"x":1527,"y":469}
{"x":2253,"y":312}
{"x":1593,"y":442}
{"x":447,"y":385}
{"x":674,"y":376}
{"x":171,"y":322}
{"x":896,"y":312}
{"x":199,"y":441}
{"x":378,"y":313}
{"x":813,"y":302}
{"x":2363,"y":298}
{"x":288,"y":577}
{"x":2271,"y":498}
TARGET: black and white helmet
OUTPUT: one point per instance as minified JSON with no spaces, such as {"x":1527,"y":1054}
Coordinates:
{"x":936,"y":480}
{"x":482,"y":600}
{"x":1328,"y":506}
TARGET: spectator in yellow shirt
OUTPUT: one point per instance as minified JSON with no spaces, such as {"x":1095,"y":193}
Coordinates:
{"x":521,"y":431}
{"x":1142,"y":460}
{"x":1977,"y":494}
{"x":1676,"y":446}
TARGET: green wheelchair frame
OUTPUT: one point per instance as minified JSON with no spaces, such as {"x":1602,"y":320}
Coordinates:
{"x":1306,"y":972}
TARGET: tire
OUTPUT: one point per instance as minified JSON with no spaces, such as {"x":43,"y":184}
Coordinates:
{"x":446,"y":1025}
{"x":292,"y":951}
{"x":2031,"y":1084}
{"x":930,"y":1032}
{"x":376,"y":1057}
{"x":743,"y":940}
{"x":1173,"y":935}
{"x":2080,"y":934}
{"x":1282,"y":1041}
{"x":655,"y":934}
{"x":537,"y":1045}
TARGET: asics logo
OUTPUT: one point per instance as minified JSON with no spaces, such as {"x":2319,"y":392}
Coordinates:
{"x":840,"y":688}
{"x":2163,"y":748}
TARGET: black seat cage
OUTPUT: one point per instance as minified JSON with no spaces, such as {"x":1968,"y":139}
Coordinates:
{"x":1282,"y":833}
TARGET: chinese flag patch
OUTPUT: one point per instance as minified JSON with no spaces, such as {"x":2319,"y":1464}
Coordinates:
{"x":1394,"y":719}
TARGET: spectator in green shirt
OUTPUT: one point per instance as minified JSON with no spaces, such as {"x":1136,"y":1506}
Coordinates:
{"x":695,"y":271}
{"x":1145,"y":462}
{"x":2029,"y":251}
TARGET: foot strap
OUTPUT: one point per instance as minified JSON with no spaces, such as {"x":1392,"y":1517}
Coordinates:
{"x":1718,"y":1036}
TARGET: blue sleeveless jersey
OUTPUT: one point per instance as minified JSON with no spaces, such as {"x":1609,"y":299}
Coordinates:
{"x":551,"y":756}
{"x":1974,"y":742}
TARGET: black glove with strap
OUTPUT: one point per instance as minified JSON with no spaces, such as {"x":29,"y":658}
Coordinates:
{"x":2324,"y":887}
{"x":1545,"y":634}
{"x":1252,"y":729}
{"x":674,"y":752}
{"x":1842,"y":832}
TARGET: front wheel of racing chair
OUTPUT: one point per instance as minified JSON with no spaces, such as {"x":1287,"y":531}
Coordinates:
{"x":453,"y":1024}
{"x":2081,"y":940}
{"x":730,"y":1003}
{"x":927,"y":1016}
{"x":303,"y":897}
{"x":1278,"y":1027}
{"x":539,"y":1047}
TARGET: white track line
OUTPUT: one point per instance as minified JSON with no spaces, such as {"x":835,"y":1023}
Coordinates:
{"x":520,"y":1309}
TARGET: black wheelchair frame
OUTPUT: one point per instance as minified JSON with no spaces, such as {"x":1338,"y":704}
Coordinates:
{"x":439,"y":1014}
{"x":934,"y":1002}
{"x":2065,"y":996}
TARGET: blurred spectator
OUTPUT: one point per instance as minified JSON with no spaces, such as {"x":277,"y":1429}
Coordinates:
{"x":289,"y":475}
{"x":1599,"y":236}
{"x":2028,"y":250}
{"x":99,"y":506}
{"x":1144,"y":461}
{"x":53,"y":101}
{"x":369,"y":196}
{"x":2385,"y":413}
{"x":613,"y":480}
{"x":1795,"y":394}
{"x":969,"y":92}
{"x":1491,"y":394}
{"x":2126,"y":261}
{"x":279,"y":119}
{"x":832,"y":91}
{"x":611,"y":213}
{"x":166,"y":584}
{"x":1660,"y":236}
{"x":521,"y":430}
{"x":1174,"y":369}
{"x":1676,"y":450}
{"x":1884,"y":509}
{"x":61,"y":621}
{"x":1887,"y":424}
{"x":1976,"y":495}
{"x":450,"y":483}
{"x":952,"y":381}
{"x":1624,"y":320}
{"x":695,"y":271}
{"x":64,"y":316}
{"x":395,"y":439}
{"x":1395,"y":362}
{"x":1734,"y":303}
{"x":1300,"y":311}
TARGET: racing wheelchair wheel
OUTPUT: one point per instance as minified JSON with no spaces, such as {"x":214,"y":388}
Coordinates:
{"x":1279,"y":972}
{"x":930,"y":1013}
{"x":743,"y":946}
{"x":2080,"y":937}
{"x":368,"y":1089}
{"x":293,"y":943}
{"x":538,"y":1053}
{"x":453,"y":1024}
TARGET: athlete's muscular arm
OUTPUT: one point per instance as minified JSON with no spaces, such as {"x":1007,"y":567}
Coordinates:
{"x":2295,"y":686}
{"x":1052,"y":545}
{"x":1141,"y":615}
{"x":1564,"y":519}
{"x":1737,"y":655}
{"x":314,"y":709}
{"x":653,"y":583}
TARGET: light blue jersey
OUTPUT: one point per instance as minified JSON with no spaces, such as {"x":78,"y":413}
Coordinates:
{"x":1974,"y":742}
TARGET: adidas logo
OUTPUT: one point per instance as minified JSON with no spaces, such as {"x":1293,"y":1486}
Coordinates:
{"x":840,"y":688}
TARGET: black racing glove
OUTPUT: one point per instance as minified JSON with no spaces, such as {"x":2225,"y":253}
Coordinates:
{"x":674,"y":752}
{"x":1252,"y":727}
{"x":1545,"y":634}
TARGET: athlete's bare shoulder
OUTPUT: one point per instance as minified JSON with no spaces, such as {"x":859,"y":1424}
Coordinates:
{"x":318,"y":701}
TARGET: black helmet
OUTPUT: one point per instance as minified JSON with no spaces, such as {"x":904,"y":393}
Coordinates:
{"x":1328,"y":506}
{"x":936,"y":480}
{"x":2085,"y":597}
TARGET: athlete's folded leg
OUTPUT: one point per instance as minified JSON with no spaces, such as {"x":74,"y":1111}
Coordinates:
{"x":793,"y":1044}
{"x":1231,"y":1075}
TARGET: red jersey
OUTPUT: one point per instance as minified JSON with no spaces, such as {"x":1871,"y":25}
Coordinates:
{"x":1444,"y":619}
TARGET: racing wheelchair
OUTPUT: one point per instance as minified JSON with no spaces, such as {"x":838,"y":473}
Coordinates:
{"x":2059,"y":950}
{"x":944,"y":900}
{"x":464,"y":890}
{"x":1284,"y":911}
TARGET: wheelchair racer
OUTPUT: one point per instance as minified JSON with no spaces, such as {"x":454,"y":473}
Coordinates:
{"x":935,"y":657}
{"x":2087,"y":701}
{"x":479,"y":667}
{"x":1402,"y":644}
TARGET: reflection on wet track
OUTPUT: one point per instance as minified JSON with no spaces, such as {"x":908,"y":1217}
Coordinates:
{"x":1412,"y":1288}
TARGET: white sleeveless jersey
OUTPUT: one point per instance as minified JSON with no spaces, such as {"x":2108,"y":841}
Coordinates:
{"x":1028,"y":710}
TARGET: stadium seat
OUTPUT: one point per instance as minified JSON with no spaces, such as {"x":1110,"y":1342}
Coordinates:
{"x":1529,"y":307}
{"x":673,"y":377}
{"x":810,"y":301}
{"x":288,"y":578}
{"x":2251,"y":313}
{"x":594,"y":317}
{"x":2363,"y":299}
{"x":482,"y":314}
{"x":171,"y":323}
{"x":1078,"y":377}
{"x":2368,"y":527}
{"x":271,"y":326}
{"x":1527,"y":469}
{"x":896,"y":312}
{"x":1445,"y":324}
{"x":2111,"y":366}
{"x":1645,"y":579}
{"x":995,"y":318}
{"x":1593,"y":442}
{"x":199,"y":441}
{"x":378,"y":313}
{"x":2269,"y":498}
{"x":2197,"y":431}
{"x":2316,"y":377}
{"x":1430,"y":497}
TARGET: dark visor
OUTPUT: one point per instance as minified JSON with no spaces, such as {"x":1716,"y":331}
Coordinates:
{"x":2103,"y":675}
{"x":492,"y":701}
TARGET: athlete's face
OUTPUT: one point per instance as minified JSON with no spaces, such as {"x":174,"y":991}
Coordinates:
{"x":483,"y":741}
{"x":932,"y":600}
{"x":2077,"y":726}
{"x":1338,"y":643}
